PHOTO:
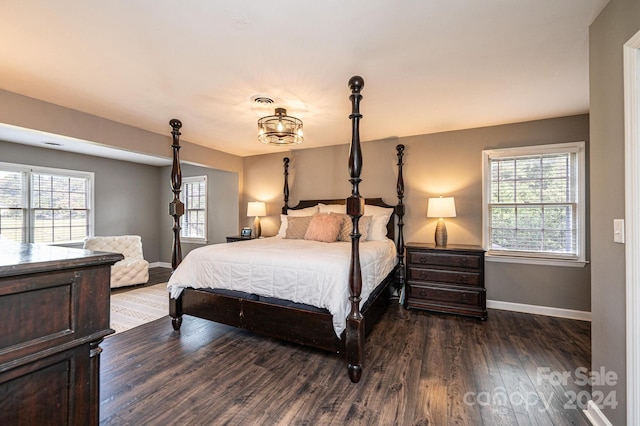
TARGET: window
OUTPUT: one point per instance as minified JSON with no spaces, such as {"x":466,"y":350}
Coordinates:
{"x":42,"y":205}
{"x":194,"y":220}
{"x":534,"y":203}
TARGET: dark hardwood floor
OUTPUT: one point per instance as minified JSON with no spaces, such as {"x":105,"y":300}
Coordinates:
{"x":421,"y":369}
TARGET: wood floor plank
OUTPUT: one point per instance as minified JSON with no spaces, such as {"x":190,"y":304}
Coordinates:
{"x":420,"y":369}
{"x":488,"y":380}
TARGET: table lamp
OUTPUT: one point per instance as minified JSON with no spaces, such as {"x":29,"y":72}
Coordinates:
{"x":441,"y":208}
{"x":257,"y":209}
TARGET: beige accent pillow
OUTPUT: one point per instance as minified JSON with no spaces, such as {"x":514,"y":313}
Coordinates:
{"x":324,"y":227}
{"x":347,"y":227}
{"x":297,"y":227}
{"x":309,"y":211}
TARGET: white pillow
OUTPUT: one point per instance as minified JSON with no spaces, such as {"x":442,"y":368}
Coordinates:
{"x":309,"y":211}
{"x":378,"y":227}
{"x":332,"y":208}
{"x":282,"y":232}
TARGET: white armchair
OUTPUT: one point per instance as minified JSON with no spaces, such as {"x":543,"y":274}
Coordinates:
{"x":133,"y":269}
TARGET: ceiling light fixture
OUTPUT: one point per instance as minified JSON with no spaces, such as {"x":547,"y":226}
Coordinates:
{"x":280,"y":129}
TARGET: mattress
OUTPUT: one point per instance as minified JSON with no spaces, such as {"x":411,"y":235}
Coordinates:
{"x":302,"y":271}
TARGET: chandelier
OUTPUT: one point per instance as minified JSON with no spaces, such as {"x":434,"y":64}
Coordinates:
{"x":280,"y":129}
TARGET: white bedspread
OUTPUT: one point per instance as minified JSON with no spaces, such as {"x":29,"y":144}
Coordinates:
{"x":302,"y":271}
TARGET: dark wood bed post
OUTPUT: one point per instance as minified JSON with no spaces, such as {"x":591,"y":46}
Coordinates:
{"x":285,"y":162}
{"x":355,"y":331}
{"x":400,"y":213}
{"x":176,"y":209}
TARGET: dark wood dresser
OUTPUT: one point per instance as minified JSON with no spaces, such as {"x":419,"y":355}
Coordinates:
{"x":55,"y":312}
{"x":446,"y":279}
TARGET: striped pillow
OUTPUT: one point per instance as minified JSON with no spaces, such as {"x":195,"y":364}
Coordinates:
{"x":347,"y":227}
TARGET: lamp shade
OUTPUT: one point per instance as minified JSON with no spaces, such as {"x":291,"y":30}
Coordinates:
{"x":256,"y":208}
{"x":441,"y":207}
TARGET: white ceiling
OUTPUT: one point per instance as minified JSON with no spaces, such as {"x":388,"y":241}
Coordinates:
{"x":428,"y":65}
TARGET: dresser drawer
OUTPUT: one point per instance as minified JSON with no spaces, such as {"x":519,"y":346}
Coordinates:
{"x":446,"y":279}
{"x":450,"y":260}
{"x":443,"y":276}
{"x":449,"y":295}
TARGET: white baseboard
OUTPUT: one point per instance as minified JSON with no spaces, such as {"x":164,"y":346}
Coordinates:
{"x":539,"y":310}
{"x":159,"y":265}
{"x":595,"y":416}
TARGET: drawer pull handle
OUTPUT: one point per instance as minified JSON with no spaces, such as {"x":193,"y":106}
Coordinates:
{"x":464,"y":261}
{"x":422,"y":293}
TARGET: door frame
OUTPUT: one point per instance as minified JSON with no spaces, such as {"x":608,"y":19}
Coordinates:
{"x":631,"y":53}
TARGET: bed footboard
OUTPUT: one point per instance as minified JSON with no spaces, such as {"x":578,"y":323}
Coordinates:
{"x":309,"y":327}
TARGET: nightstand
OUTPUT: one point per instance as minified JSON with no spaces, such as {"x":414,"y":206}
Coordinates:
{"x":235,"y":238}
{"x":446,"y":279}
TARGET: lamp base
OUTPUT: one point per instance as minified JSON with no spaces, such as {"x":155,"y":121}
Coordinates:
{"x":441,"y":233}
{"x":256,"y":227}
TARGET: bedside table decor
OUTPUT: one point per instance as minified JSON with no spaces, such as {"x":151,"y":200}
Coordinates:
{"x":446,"y":279}
{"x":441,"y":208}
{"x":257,"y":209}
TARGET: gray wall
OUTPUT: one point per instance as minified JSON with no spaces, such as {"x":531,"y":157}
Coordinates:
{"x":222,"y":201}
{"x":126,"y":194}
{"x":617,"y":23}
{"x":444,"y":163}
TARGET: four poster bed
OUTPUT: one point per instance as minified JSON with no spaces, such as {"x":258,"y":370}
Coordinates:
{"x":299,"y":289}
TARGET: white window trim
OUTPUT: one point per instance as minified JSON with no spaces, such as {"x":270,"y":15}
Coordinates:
{"x":197,"y":240}
{"x":54,"y":171}
{"x":527,"y":258}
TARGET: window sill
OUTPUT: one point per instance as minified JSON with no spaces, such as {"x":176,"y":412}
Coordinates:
{"x":536,"y":261}
{"x":192,"y":241}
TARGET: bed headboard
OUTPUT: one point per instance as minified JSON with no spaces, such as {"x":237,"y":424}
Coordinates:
{"x":398,"y":209}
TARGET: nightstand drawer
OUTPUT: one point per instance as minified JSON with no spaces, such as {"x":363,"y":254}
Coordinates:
{"x":444,"y":276}
{"x":449,"y":295}
{"x":450,"y":260}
